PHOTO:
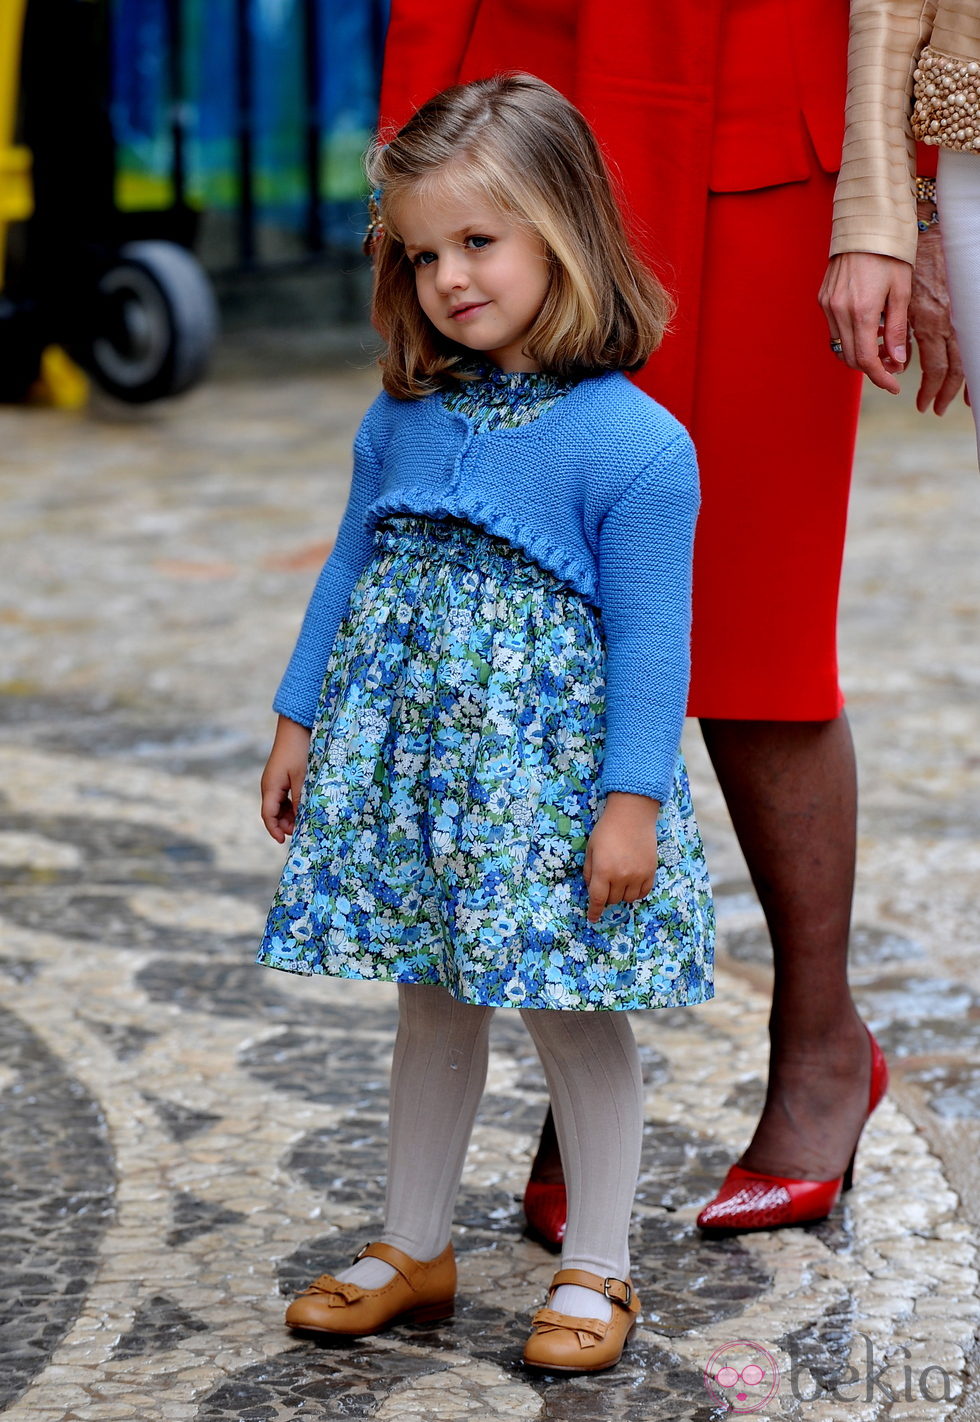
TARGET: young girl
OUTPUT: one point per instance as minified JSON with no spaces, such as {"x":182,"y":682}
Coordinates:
{"x":494,"y":665}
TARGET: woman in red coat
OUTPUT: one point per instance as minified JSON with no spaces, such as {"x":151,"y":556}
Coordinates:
{"x":724,"y":120}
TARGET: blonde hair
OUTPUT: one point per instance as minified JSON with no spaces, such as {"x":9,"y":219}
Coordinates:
{"x":520,"y":143}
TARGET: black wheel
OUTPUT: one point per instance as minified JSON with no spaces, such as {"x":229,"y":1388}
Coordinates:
{"x":154,"y":323}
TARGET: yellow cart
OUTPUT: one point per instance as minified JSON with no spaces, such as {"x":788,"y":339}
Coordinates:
{"x":132,"y":306}
{"x":16,"y":202}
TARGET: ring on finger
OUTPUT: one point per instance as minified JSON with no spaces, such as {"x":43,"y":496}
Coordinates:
{"x":837,"y":345}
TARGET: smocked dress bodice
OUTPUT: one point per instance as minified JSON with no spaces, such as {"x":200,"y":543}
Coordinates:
{"x":500,"y":399}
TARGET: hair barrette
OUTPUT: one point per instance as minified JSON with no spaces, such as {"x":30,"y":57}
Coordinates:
{"x":375,"y":227}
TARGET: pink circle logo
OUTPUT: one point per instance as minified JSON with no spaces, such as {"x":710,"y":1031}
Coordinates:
{"x":743,"y":1376}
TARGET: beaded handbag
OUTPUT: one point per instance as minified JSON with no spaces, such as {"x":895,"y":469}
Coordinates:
{"x":947,"y":101}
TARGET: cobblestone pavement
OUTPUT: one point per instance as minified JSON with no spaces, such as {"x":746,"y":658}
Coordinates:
{"x":185,"y":1138}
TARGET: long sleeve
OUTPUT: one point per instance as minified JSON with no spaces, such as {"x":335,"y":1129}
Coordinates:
{"x":645,"y":572}
{"x":874,"y":207}
{"x":299,"y":690}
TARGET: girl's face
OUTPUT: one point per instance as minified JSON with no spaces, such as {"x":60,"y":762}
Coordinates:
{"x":481,"y":278}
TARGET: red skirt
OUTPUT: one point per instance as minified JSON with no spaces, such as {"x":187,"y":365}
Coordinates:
{"x":775,"y":423}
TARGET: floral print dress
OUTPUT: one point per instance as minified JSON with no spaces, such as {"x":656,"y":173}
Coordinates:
{"x":454,"y":777}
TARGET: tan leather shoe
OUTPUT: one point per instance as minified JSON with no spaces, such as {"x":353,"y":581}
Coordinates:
{"x":563,"y":1344}
{"x":419,"y":1293}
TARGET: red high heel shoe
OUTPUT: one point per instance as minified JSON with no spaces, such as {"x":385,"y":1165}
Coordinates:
{"x":748,"y":1200}
{"x":545,"y":1201}
{"x":546,"y":1212}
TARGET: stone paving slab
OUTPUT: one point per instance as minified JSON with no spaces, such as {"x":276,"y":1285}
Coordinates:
{"x":185,"y":1139}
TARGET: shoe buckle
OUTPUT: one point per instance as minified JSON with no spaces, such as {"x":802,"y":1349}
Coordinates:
{"x":361,"y":1253}
{"x":615,"y":1298}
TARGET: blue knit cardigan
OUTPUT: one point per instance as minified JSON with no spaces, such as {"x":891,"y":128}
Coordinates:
{"x":601,"y":490}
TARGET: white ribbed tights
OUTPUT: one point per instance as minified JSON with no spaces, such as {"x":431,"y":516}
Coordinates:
{"x":438,"y":1073}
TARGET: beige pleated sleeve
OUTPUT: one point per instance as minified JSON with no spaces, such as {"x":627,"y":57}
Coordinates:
{"x":874,"y":207}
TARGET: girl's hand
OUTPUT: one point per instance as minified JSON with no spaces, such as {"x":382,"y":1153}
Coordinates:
{"x":282,"y":779}
{"x":621,"y":858}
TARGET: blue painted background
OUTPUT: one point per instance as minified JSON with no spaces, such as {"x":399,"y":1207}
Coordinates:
{"x":142,"y":108}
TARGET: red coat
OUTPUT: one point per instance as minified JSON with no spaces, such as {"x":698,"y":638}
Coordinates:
{"x":719,"y":95}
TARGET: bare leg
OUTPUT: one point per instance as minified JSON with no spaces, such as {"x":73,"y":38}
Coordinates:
{"x":791,"y":791}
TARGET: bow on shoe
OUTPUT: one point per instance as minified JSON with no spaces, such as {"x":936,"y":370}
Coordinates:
{"x":339,"y":1294}
{"x":588,"y":1331}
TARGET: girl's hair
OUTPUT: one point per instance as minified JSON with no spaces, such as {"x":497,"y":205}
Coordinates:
{"x":521,"y":145}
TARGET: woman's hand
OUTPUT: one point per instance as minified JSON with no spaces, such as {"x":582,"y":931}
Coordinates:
{"x":621,"y":858}
{"x":865,"y":297}
{"x":932,"y":323}
{"x":282,"y":779}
